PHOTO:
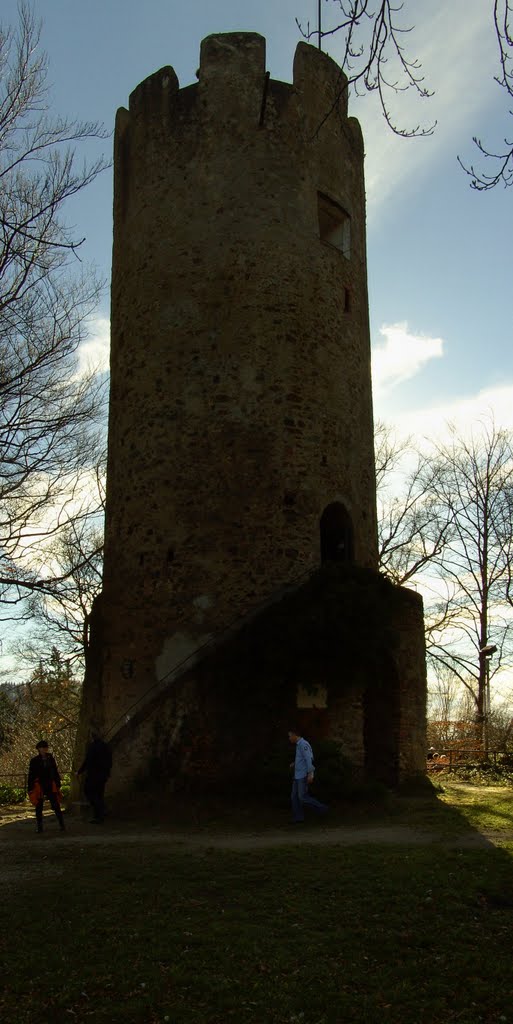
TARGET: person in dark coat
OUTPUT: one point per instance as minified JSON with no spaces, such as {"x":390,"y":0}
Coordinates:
{"x":97,"y":766}
{"x":44,"y":783}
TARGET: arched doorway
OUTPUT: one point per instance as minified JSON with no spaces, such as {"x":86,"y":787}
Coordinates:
{"x":336,"y":526}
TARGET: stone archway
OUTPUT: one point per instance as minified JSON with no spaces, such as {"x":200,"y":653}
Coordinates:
{"x":337,"y":541}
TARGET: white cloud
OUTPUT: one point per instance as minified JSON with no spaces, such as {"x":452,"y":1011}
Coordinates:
{"x":401,"y":356}
{"x":93,"y":353}
{"x":464,"y":412}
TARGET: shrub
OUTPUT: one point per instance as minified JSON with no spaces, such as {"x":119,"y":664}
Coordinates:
{"x":335,"y":775}
{"x":486,"y":771}
{"x":12,"y":794}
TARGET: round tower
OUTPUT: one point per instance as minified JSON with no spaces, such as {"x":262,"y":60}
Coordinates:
{"x":240,"y":430}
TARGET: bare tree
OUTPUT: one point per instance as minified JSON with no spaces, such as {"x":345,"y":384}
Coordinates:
{"x":374,"y":58}
{"x":451,"y":712}
{"x":501,"y":163}
{"x":501,"y":727}
{"x":45,"y":707}
{"x":373,"y":54}
{"x":452,"y":719}
{"x":470,"y":482}
{"x":444,"y":525}
{"x":48,"y":408}
{"x":61,"y":619}
{"x":411,"y":528}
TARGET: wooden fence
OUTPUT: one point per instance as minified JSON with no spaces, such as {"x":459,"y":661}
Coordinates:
{"x":450,"y":757}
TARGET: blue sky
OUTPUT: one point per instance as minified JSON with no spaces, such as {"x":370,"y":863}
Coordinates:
{"x":438,"y":253}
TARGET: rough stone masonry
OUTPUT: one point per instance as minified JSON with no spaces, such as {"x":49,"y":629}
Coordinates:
{"x":240,"y":426}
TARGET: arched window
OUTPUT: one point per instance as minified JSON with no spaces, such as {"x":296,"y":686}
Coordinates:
{"x":336,"y":534}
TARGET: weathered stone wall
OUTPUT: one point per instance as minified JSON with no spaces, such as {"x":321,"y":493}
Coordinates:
{"x":346,"y":725}
{"x":340,"y":658}
{"x":411,"y":672}
{"x":185,"y":741}
{"x":240,"y":410}
{"x":240,"y":399}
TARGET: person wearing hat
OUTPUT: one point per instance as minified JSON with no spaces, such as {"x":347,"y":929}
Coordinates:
{"x":44,"y":783}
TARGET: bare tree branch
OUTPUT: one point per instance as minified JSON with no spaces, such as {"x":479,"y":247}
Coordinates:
{"x":50,"y":411}
{"x":375,"y":59}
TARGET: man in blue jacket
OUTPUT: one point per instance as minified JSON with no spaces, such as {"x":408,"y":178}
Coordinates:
{"x":303,"y":775}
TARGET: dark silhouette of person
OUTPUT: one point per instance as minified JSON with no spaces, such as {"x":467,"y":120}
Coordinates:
{"x":44,"y":783}
{"x":97,"y":766}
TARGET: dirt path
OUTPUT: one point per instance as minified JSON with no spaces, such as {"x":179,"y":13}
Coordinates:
{"x":17,"y":827}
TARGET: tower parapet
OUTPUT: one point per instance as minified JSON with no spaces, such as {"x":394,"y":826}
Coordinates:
{"x":231,"y":82}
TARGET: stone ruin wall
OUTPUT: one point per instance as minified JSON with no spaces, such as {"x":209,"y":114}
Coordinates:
{"x":190,"y":734}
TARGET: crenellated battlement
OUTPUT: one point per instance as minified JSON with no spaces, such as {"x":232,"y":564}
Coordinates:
{"x":233,"y":86}
{"x":232,"y":56}
{"x":320,"y":82}
{"x":156,"y":93}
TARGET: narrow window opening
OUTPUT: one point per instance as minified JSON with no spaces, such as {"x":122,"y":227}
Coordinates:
{"x":347,"y":300}
{"x":334,"y":225}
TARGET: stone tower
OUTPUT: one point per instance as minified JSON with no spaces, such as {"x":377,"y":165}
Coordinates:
{"x":240,"y":428}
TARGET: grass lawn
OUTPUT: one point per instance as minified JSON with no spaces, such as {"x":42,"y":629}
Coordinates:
{"x":483,"y":807}
{"x":138,"y":932}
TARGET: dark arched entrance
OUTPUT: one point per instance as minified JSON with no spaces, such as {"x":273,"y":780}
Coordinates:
{"x":336,"y":534}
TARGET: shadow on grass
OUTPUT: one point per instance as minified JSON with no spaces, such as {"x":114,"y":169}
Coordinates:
{"x":147,"y":933}
{"x":435,"y":810}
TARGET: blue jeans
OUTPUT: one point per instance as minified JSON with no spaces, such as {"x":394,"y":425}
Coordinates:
{"x":300,"y":796}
